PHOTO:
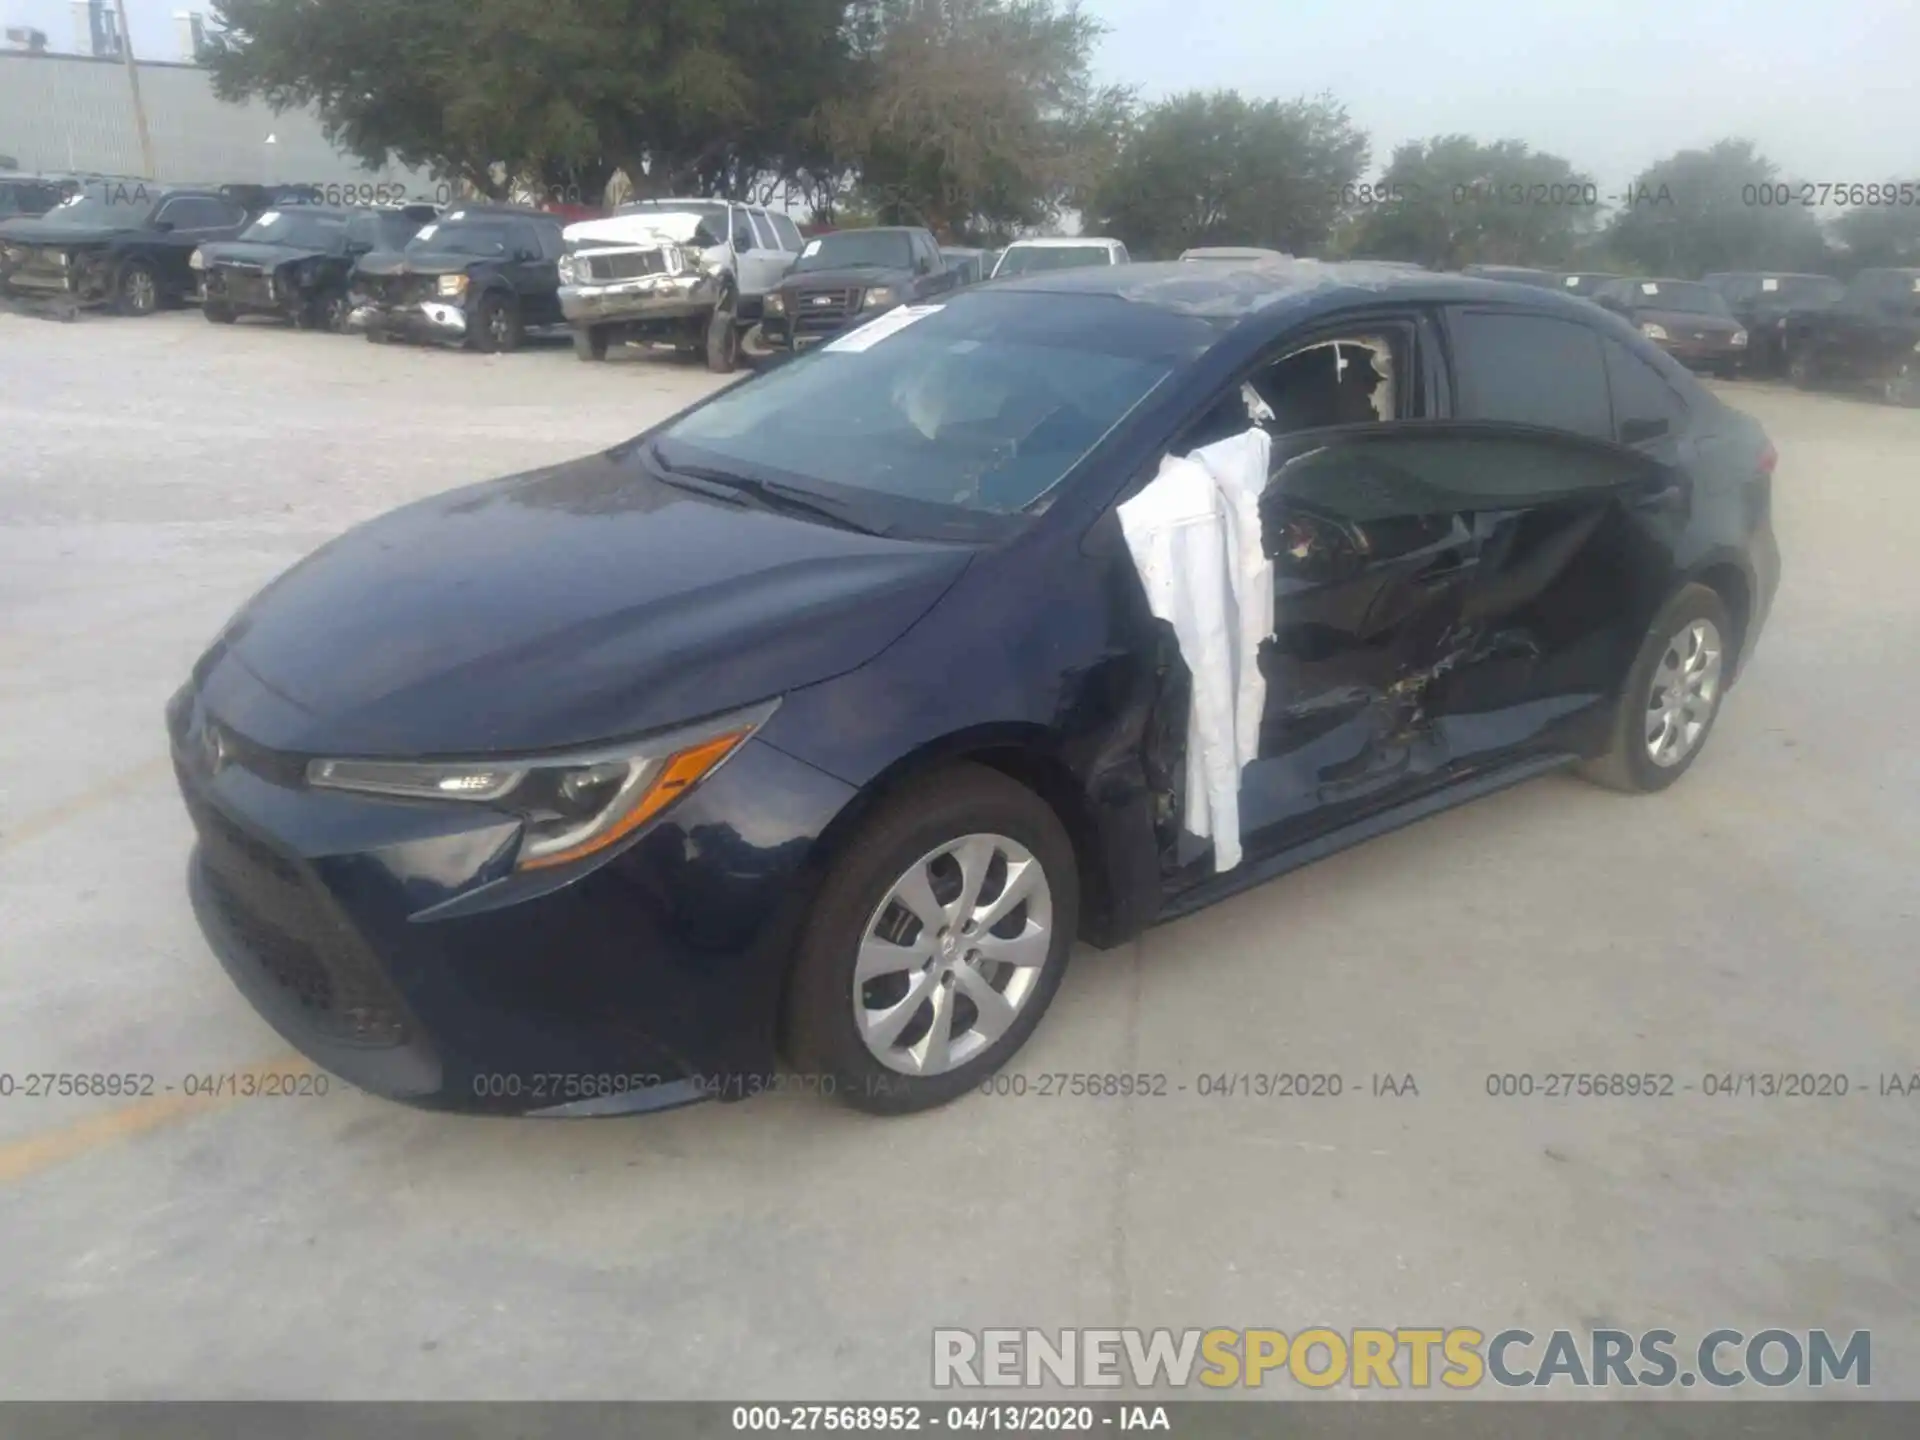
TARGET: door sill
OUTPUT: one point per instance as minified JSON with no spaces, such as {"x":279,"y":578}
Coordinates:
{"x":1380,"y":822}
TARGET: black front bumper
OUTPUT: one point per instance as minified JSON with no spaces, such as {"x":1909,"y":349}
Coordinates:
{"x":393,"y":943}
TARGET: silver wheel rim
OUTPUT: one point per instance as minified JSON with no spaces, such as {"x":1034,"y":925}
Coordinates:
{"x":140,"y":290}
{"x":1686,"y":687}
{"x":952,"y":955}
{"x":501,"y":325}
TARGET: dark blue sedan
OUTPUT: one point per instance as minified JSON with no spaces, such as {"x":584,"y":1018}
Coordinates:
{"x":823,"y":718}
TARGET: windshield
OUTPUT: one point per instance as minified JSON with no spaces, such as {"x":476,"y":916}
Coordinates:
{"x":1800,"y":289}
{"x":466,"y":238}
{"x":858,"y":250}
{"x":982,"y":404}
{"x":1684,"y":296}
{"x":121,"y":206}
{"x":297,"y":230}
{"x":1029,"y":259}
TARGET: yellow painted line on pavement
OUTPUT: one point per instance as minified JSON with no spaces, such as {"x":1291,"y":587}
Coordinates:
{"x":22,"y":1158}
{"x":110,"y":789}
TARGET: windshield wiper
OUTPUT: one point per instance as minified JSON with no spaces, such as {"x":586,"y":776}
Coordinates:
{"x":726,"y":485}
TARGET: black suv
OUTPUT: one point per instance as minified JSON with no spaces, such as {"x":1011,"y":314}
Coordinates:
{"x":1762,"y":300}
{"x":123,"y":244}
{"x":1871,"y":333}
{"x":296,"y":263}
{"x":482,"y":275}
{"x":852,"y":275}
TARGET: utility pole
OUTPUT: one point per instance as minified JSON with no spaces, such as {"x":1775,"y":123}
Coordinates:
{"x":133,"y":84}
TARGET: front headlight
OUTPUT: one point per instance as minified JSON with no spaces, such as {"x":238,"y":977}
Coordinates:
{"x":1653,"y":331}
{"x":573,"y":806}
{"x":452,"y":285}
{"x":12,"y":254}
{"x":569,"y":271}
{"x":776,"y":304}
{"x":878,"y":296}
{"x":197,"y":260}
{"x":1739,"y":337}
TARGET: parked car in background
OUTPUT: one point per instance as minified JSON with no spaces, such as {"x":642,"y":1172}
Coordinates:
{"x":1585,"y":282}
{"x":1761,"y":301}
{"x":1233,"y":254}
{"x":297,"y":264}
{"x":479,"y":275}
{"x":1870,"y":335}
{"x":1688,"y":320}
{"x":832,"y":710}
{"x":29,"y":195}
{"x":850,"y":276}
{"x":694,"y":274}
{"x":969,"y":264}
{"x":1029,"y":257}
{"x":1513,"y":275}
{"x":123,"y":244}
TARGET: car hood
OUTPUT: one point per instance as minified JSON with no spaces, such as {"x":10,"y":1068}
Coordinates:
{"x":421,"y":262}
{"x":653,"y":227}
{"x":39,"y":231}
{"x":564,"y":607}
{"x":256,"y":252}
{"x":862,"y":278}
{"x":1692,"y":323}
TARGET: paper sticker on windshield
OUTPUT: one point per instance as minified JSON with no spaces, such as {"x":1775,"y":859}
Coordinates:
{"x":1916,"y":284}
{"x":1769,"y":284}
{"x":426,"y":232}
{"x":813,"y":248}
{"x":874,"y":331}
{"x":268,"y":218}
{"x":458,"y":215}
{"x":1571,"y":281}
{"x":1647,"y":287}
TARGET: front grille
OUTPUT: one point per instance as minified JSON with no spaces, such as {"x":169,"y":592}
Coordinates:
{"x":40,"y":270}
{"x":629,"y":266}
{"x":822,"y":309}
{"x":400,"y":289}
{"x":278,"y":918}
{"x":247,"y":286}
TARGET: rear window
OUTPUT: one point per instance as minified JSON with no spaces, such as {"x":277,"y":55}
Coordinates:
{"x":1031,"y":259}
{"x":1531,"y":370}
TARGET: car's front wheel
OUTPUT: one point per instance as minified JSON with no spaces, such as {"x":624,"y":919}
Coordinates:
{"x":497,"y":328}
{"x":1801,"y":369}
{"x":217,"y":311}
{"x":137,"y":291}
{"x":1672,"y":695}
{"x":936,"y":943}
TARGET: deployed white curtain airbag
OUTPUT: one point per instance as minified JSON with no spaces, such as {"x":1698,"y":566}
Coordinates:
{"x":1194,"y":533}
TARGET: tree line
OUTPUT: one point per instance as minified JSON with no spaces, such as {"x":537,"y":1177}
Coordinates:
{"x":982,"y":119}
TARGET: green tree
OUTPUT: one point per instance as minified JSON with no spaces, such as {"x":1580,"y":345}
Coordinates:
{"x":703,"y":95}
{"x":973,"y":117}
{"x":1703,"y":210}
{"x":1452,"y":201}
{"x":1218,"y":169}
{"x":1873,"y":237}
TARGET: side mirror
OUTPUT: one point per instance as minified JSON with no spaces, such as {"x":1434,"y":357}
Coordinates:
{"x":523,"y":254}
{"x":163,"y":225}
{"x":1634,"y":432}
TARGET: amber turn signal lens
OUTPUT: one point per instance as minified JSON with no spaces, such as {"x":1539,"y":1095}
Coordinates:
{"x":680,"y":774}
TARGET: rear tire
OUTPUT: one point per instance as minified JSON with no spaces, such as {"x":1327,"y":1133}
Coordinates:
{"x":1672,"y":695}
{"x":864,"y":956}
{"x":590,"y":342}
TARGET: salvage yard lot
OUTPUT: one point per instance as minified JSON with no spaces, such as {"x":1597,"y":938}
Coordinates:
{"x":1759,"y":918}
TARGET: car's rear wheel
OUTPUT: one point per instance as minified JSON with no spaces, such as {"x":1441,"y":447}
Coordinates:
{"x":137,"y":291}
{"x":496,"y":328}
{"x":936,"y":943}
{"x":590,"y":342}
{"x":1672,"y":695}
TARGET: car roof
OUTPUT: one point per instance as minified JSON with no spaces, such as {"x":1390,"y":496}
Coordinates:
{"x":478,"y":210}
{"x":1235,"y":292}
{"x":1048,"y":242}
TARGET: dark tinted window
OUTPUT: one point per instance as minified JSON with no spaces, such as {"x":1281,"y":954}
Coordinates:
{"x":857,"y":249}
{"x":189,"y":212}
{"x":381,"y":232}
{"x":297,"y":228}
{"x":1531,"y":370}
{"x":1641,"y":396}
{"x":1686,"y":296}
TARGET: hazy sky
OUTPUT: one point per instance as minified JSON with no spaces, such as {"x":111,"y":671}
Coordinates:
{"x":1830,"y":92}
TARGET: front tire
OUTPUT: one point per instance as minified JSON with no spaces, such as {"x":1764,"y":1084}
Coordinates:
{"x":1672,"y":696}
{"x":936,"y":943}
{"x":218,"y":312}
{"x":590,"y":342}
{"x":723,"y":338}
{"x":137,"y":290}
{"x":497,"y":328}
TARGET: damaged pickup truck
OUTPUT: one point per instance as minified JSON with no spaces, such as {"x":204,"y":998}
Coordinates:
{"x":123,"y":245}
{"x":296,"y":264}
{"x":828,"y":713}
{"x":480,"y":277}
{"x":693,"y":274}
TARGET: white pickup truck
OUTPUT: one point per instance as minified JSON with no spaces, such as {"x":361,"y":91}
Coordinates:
{"x":690,"y":273}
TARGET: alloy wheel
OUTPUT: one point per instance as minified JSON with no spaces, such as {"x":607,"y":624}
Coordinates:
{"x":142,"y":294}
{"x":1686,"y":688}
{"x":952,"y":954}
{"x":500,"y":325}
